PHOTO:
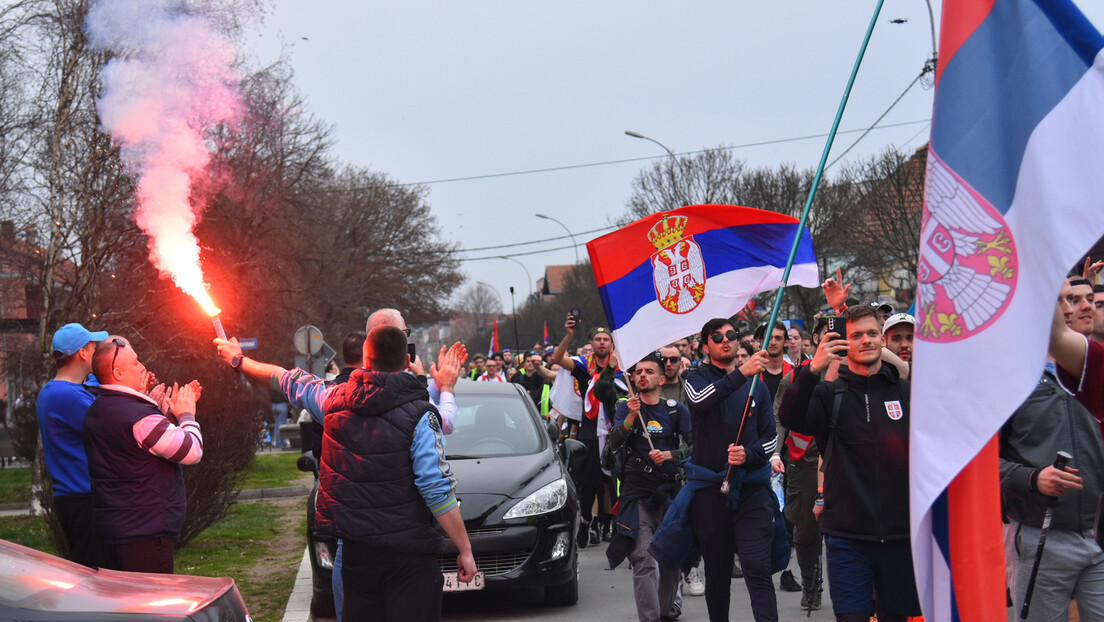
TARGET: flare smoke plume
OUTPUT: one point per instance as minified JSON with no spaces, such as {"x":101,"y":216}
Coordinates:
{"x":171,"y":78}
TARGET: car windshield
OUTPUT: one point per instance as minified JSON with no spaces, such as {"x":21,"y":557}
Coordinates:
{"x":492,"y":425}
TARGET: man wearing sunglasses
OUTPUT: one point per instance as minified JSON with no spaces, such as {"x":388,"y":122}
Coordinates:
{"x":674,"y":385}
{"x":718,"y":392}
{"x":136,"y":443}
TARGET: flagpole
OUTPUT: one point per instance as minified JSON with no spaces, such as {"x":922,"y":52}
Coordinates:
{"x":805,"y":212}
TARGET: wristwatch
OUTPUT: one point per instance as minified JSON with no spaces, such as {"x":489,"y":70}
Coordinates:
{"x":235,"y":362}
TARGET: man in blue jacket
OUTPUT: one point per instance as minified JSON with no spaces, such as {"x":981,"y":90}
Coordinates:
{"x":62,"y":404}
{"x":718,"y":392}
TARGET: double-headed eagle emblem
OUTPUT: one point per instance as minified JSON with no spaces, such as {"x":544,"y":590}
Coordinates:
{"x":967,"y":267}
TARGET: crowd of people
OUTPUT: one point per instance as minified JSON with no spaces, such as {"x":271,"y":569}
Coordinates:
{"x":712,"y":458}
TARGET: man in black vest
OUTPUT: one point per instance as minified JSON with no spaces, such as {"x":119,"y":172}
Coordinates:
{"x":136,"y":443}
{"x":384,"y":486}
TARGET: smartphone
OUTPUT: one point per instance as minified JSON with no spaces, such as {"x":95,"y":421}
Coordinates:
{"x":838,"y":325}
{"x":411,"y":351}
{"x":575,"y":316}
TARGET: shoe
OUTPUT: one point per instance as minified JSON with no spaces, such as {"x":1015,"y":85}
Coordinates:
{"x":583,"y":539}
{"x":787,"y":583}
{"x":673,"y":614}
{"x":737,"y":571}
{"x":810,"y":602}
{"x":694,"y":585}
{"x":595,"y":532}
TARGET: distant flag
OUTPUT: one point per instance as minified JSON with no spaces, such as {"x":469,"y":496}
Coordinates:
{"x":1013,"y":198}
{"x":665,"y":275}
{"x":494,"y":338}
{"x":546,"y":332}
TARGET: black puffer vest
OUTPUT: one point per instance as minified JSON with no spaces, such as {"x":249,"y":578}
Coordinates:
{"x":366,"y":490}
{"x":136,"y":495}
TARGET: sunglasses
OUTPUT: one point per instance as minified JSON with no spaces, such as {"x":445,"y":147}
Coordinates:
{"x":119,"y":345}
{"x":720,"y":337}
{"x":671,"y":359}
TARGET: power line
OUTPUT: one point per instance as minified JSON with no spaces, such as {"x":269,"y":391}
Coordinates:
{"x":567,"y":167}
{"x":882,"y":116}
{"x":562,"y":237}
{"x":547,"y":250}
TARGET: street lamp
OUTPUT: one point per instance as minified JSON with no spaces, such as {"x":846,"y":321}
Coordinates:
{"x":531,"y":290}
{"x":665,"y":147}
{"x":574,"y":245}
{"x":501,"y":304}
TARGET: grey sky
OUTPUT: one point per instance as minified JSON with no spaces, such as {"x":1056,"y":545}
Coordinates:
{"x":438,"y":90}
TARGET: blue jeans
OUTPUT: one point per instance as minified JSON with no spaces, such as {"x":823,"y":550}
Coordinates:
{"x":859,"y":570}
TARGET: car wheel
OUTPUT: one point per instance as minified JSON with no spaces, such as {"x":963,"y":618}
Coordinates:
{"x":564,"y":594}
{"x":323,"y":606}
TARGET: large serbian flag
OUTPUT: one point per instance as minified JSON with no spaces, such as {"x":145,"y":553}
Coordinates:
{"x":1014,"y":197}
{"x":664,"y":276}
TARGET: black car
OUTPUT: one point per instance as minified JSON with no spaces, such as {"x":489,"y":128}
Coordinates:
{"x":518,"y":502}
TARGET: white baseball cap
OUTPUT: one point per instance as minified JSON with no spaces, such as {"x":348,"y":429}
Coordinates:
{"x":897,"y":318}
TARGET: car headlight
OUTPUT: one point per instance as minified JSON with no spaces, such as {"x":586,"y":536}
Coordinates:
{"x":548,"y":499}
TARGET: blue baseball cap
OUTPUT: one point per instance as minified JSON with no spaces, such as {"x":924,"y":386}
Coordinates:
{"x":72,"y":337}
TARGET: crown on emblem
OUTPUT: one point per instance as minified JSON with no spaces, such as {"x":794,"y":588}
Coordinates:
{"x":667,"y":231}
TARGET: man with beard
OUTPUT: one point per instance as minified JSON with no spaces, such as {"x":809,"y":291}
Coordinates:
{"x":777,"y":366}
{"x":898,"y":330}
{"x":598,"y":373}
{"x":673,"y":385}
{"x":648,"y":483}
{"x":861,"y":423}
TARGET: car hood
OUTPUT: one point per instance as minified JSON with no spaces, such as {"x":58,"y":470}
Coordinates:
{"x":38,"y":581}
{"x":512,"y":476}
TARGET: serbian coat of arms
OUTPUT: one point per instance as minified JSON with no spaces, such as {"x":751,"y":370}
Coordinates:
{"x":968,"y":265}
{"x":678,"y":270}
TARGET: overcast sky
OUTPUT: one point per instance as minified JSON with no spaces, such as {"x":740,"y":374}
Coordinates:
{"x":428,"y":91}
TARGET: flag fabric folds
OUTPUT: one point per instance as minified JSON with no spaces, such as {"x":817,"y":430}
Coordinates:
{"x":494,"y":339}
{"x":1013,"y":198}
{"x":664,"y":276}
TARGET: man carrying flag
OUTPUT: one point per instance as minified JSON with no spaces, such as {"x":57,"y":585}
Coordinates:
{"x":1012,"y":199}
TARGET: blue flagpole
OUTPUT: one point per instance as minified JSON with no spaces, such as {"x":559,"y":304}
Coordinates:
{"x":808,"y":207}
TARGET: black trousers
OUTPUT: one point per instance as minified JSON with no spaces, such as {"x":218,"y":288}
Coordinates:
{"x":74,"y":514}
{"x":747,"y":530}
{"x":390,"y":586}
{"x":152,"y":555}
{"x":590,"y":479}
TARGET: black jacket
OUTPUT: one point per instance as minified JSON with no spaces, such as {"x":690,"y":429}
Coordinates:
{"x":136,"y":495}
{"x":367,"y":492}
{"x":866,"y":483}
{"x":1049,"y":421}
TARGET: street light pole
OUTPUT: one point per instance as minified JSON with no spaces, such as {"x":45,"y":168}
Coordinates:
{"x":574,"y":244}
{"x":530,"y":278}
{"x":674,"y":162}
{"x":665,"y":147}
{"x":517,"y":342}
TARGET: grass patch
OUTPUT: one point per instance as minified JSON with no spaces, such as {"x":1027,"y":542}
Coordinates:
{"x":15,"y":485}
{"x":246,"y":545}
{"x":272,"y":470}
{"x":30,"y":531}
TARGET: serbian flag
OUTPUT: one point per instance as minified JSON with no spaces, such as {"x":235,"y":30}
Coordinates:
{"x":664,"y":276}
{"x":545,"y":332}
{"x":494,"y":338}
{"x":1014,"y":196}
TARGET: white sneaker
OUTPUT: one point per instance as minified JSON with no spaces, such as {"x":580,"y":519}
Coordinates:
{"x":694,"y":585}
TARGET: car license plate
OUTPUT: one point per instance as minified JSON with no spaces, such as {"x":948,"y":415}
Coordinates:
{"x":453,"y":584}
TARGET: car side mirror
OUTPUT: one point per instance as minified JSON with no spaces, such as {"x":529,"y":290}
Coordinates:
{"x":576,"y":451}
{"x":307,"y":464}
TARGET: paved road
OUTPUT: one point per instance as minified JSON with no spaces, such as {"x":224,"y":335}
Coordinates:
{"x":603,"y":595}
